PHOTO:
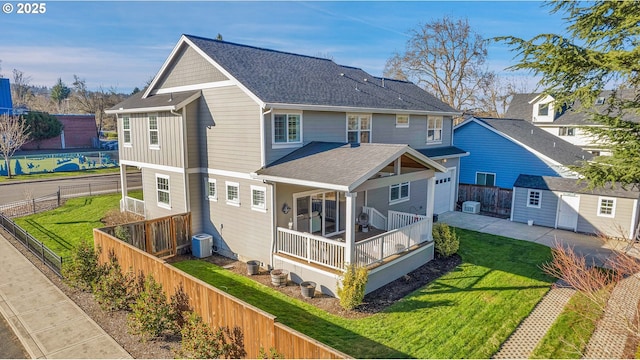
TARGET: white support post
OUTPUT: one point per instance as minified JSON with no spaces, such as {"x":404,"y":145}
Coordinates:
{"x":350,"y":228}
{"x":123,"y":187}
{"x":431,"y":194}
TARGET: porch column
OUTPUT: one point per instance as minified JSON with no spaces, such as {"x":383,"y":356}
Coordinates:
{"x":431,"y":197}
{"x":123,"y":186}
{"x":350,"y":228}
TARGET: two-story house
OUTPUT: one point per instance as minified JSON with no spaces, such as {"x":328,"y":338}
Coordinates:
{"x":294,"y":161}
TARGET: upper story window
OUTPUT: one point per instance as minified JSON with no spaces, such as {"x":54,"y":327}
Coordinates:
{"x":534,"y":198}
{"x":486,"y":179}
{"x":154,"y":141}
{"x":402,"y":121}
{"x":162,"y":189}
{"x":607,"y":207}
{"x":543,"y":109}
{"x":434,"y":129}
{"x":600,"y":100}
{"x":126,"y":130}
{"x":567,"y":131}
{"x":287,"y":129}
{"x":212,"y":190}
{"x":358,"y":128}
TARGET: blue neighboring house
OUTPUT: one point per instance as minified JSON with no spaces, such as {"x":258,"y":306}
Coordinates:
{"x":6,"y":104}
{"x":502,"y":149}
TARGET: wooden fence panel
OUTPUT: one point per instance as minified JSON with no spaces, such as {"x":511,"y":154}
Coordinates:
{"x":492,"y":199}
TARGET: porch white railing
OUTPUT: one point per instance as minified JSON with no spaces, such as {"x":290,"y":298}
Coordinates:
{"x":380,"y":247}
{"x":397,"y":220}
{"x":376,"y":219}
{"x":135,"y":206}
{"x":311,"y":248}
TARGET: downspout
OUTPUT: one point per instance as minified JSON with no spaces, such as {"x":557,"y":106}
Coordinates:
{"x":274,"y":218}
{"x":263,"y":150}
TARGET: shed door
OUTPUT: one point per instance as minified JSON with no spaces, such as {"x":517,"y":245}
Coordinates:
{"x":568,"y":212}
{"x":444,"y":194}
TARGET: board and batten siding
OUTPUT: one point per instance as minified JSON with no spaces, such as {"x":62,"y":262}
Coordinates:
{"x":197,"y":196}
{"x":189,"y":68}
{"x":544,"y":216}
{"x":168,"y":153}
{"x":176,"y":193}
{"x":590,"y":222}
{"x":384,"y":130}
{"x":194,"y":127}
{"x":238,"y":231}
{"x":229,"y":130}
{"x":492,"y":153}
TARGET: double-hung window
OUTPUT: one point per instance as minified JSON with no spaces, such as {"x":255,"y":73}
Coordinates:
{"x":287,"y":129}
{"x":487,"y":179}
{"x":402,"y":121}
{"x":358,"y":128}
{"x":398,"y":193}
{"x":162,"y":189}
{"x":258,"y":198}
{"x":567,"y":131}
{"x":606,"y":207}
{"x":154,"y":141}
{"x":212,"y":190}
{"x":434,"y":129}
{"x":534,"y":198}
{"x":126,"y":131}
{"x":233,"y":193}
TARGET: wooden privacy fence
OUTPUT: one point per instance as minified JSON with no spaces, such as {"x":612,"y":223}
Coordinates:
{"x":492,"y":199}
{"x":161,"y":237}
{"x":216,"y":307}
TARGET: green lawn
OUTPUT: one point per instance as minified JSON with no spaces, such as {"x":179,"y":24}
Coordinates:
{"x":467,"y":313}
{"x":63,"y":228}
{"x":59,"y":174}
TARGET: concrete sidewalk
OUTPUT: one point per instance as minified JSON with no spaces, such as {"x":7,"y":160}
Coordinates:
{"x":47,"y":322}
{"x":593,"y":248}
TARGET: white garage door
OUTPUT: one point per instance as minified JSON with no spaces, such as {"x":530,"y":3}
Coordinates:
{"x":445,"y":191}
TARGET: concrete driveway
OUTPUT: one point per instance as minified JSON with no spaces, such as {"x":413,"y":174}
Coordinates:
{"x":593,"y":248}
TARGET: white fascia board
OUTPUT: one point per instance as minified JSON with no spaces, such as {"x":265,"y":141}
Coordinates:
{"x":202,"y":86}
{"x":357,"y":109}
{"x":427,"y":160}
{"x":453,"y":156}
{"x":142,"y":110}
{"x":283,"y":180}
{"x":152,"y":166}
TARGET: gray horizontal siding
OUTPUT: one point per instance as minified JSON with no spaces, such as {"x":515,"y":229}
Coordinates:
{"x":385,"y":131}
{"x":196,"y":200}
{"x":170,"y":150}
{"x":590,"y":222}
{"x":176,"y":193}
{"x":189,"y":68}
{"x":544,"y":216}
{"x":229,"y":130}
{"x":417,"y":204}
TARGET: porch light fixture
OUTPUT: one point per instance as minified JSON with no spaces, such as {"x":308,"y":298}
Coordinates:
{"x":286,"y":208}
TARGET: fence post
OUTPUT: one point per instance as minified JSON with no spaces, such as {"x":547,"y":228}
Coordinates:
{"x":42,"y":250}
{"x":89,"y":189}
{"x":58,"y":196}
{"x":33,"y":205}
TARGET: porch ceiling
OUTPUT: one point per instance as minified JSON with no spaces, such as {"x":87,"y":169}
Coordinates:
{"x":341,"y":166}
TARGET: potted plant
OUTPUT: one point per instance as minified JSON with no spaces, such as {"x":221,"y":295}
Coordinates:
{"x":279,"y":277}
{"x":253,"y":267}
{"x":308,"y":288}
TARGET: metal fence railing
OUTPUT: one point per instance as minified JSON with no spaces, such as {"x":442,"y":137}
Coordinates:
{"x":46,"y":255}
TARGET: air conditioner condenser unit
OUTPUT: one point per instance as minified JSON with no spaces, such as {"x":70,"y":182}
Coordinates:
{"x":471,"y":207}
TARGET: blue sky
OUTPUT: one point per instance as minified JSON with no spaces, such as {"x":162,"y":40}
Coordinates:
{"x":122,"y":44}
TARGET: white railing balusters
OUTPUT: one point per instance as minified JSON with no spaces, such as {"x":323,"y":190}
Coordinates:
{"x":380,"y":247}
{"x":376,"y":219}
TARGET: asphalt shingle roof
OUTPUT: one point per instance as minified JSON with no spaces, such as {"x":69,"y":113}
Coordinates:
{"x":284,"y":78}
{"x":547,"y":144}
{"x":552,"y":183}
{"x":135,"y":101}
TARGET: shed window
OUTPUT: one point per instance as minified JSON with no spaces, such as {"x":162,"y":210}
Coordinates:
{"x":534,"y":199}
{"x":606,"y":207}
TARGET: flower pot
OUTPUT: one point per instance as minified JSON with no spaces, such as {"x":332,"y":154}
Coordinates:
{"x":279,"y":277}
{"x":530,"y":222}
{"x":308,"y":288}
{"x":253,"y":267}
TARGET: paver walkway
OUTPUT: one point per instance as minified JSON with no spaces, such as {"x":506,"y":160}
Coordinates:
{"x":47,"y":322}
{"x":524,"y":340}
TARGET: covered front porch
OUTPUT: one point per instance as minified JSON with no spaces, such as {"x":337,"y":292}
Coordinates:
{"x":373,"y":208}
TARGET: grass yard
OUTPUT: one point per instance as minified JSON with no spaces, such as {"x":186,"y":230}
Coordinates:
{"x":63,"y":228}
{"x":467,"y":313}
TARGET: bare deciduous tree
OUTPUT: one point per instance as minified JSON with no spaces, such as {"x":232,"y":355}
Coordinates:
{"x":13,"y":134}
{"x":20,"y":88}
{"x":93,"y":102}
{"x":447,"y":58}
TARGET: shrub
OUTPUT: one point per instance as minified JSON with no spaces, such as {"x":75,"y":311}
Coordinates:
{"x":83,"y":270}
{"x":272,"y":354}
{"x":115,"y":217}
{"x":111,"y":289}
{"x":446,"y":240}
{"x":180,"y":308}
{"x":354,"y":281}
{"x":149,"y":315}
{"x":200,"y":341}
{"x":122,"y":233}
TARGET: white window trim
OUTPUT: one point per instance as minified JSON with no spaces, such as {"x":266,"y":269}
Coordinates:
{"x":346,"y":135}
{"x":495,"y":178}
{"x":613,"y":208}
{"x":126,"y":144}
{"x":157,"y":130}
{"x":208,"y":182}
{"x":226,"y":188}
{"x":161,"y":204}
{"x":287,"y":144}
{"x":441,"y":128}
{"x":529,"y":205}
{"x":403,"y":125}
{"x":254,"y":207}
{"x":400,"y":199}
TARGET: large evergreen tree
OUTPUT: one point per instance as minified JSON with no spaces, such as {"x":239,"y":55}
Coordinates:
{"x":42,"y":125}
{"x":600,"y":50}
{"x":60,"y":92}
